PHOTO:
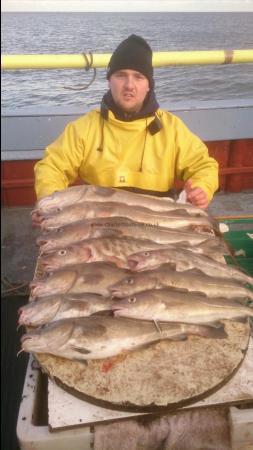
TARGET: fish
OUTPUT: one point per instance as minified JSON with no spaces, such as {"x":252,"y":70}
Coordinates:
{"x":99,"y":337}
{"x":91,"y":193}
{"x":109,"y":249}
{"x":93,"y":210}
{"x":191,"y":281}
{"x":119,"y":226}
{"x":173,"y":306}
{"x":57,"y":307}
{"x":70,"y":234}
{"x":214,"y":252}
{"x":93,"y":278}
{"x":183,"y":259}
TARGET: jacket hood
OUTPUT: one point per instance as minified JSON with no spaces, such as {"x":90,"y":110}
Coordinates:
{"x":149,"y":107}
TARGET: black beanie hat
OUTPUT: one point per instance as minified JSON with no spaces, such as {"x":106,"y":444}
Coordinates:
{"x":133,"y":53}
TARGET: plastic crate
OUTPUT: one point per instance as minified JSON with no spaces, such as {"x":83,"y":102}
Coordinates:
{"x":240,"y":239}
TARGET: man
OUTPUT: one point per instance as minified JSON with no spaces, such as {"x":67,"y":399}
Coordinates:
{"x":130,"y":142}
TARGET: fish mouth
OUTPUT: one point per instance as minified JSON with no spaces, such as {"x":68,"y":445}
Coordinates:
{"x":49,"y":266}
{"x":24,"y":339}
{"x":43,"y":241}
{"x":133,"y":263}
{"x":20,"y":316}
{"x":116,"y":307}
{"x":37,"y":289}
{"x":33,"y":288}
{"x":117,"y":311}
{"x":116,"y":292}
{"x":46,"y":224}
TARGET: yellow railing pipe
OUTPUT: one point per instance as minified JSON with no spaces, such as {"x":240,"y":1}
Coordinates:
{"x":80,"y":61}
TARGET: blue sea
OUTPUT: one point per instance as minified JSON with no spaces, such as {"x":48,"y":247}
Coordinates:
{"x":26,"y":33}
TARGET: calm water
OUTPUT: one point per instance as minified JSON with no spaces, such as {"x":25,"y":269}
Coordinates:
{"x":101,"y":32}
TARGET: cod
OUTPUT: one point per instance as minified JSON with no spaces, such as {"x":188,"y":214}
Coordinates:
{"x":192,"y":280}
{"x":58,"y":307}
{"x":91,"y":193}
{"x":173,"y":306}
{"x":100,"y":337}
{"x":182,"y":260}
{"x":119,"y":226}
{"x":93,"y":278}
{"x":92,"y":210}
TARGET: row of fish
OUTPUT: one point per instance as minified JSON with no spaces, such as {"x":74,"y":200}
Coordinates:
{"x":151,"y":262}
{"x":158,"y":303}
{"x":140,"y":254}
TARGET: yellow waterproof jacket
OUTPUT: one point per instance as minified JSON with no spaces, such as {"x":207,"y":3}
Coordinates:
{"x":111,"y":152}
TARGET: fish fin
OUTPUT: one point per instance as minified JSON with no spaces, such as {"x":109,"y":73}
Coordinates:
{"x":240,"y":319}
{"x":211,"y":333}
{"x":182,"y":337}
{"x":185,"y":245}
{"x":200,"y":294}
{"x":214,"y":324}
{"x":195,"y":271}
{"x":104,"y":312}
{"x":157,"y":326}
{"x":245,"y":301}
{"x":82,"y":351}
{"x":143,"y":346}
{"x":175,"y":288}
{"x":159,"y":285}
{"x":82,"y":361}
{"x":181,"y":212}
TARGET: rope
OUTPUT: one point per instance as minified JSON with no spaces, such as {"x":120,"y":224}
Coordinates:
{"x":87,"y":68}
{"x":21,"y":290}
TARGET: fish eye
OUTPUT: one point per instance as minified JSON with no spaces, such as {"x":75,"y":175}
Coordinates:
{"x":59,"y":230}
{"x":62,"y":252}
{"x":146,"y":254}
{"x":129,"y":281}
{"x":132,"y":299}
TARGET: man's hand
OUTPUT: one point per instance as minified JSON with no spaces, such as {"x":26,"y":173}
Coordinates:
{"x":36,"y":219}
{"x":196,"y":195}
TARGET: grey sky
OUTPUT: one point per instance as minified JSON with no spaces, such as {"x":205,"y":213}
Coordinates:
{"x":129,"y":5}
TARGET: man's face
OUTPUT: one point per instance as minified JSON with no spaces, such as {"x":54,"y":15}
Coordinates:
{"x":129,"y":89}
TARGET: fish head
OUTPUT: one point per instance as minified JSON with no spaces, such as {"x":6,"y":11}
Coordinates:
{"x":143,"y":260}
{"x":124,"y":287}
{"x":59,"y":218}
{"x":48,"y":338}
{"x":50,"y":202}
{"x":64,"y":257}
{"x":129,"y":285}
{"x":49,"y":222}
{"x":46,"y":241}
{"x":38,"y":312}
{"x":134,"y":306}
{"x":60,"y":199}
{"x":54,"y":283}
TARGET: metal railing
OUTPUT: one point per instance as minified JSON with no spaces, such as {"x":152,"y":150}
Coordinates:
{"x":89,"y":60}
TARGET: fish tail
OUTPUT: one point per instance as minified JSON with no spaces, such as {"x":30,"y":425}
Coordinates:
{"x":250,"y":310}
{"x":207,"y":331}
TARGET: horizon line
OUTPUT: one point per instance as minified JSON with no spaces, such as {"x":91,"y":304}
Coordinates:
{"x":128,"y":11}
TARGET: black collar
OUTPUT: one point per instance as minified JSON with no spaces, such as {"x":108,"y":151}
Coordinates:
{"x":148,"y":109}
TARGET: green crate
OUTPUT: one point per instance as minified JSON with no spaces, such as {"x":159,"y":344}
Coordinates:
{"x":239,"y":240}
